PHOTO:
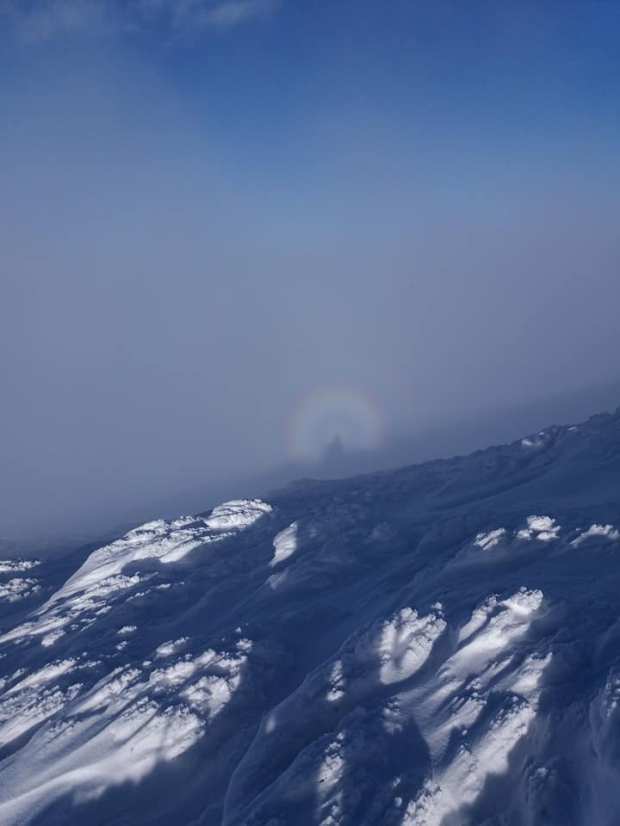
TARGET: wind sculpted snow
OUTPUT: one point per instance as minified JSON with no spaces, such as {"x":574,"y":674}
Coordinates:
{"x":434,"y":646}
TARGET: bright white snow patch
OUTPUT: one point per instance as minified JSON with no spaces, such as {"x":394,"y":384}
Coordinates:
{"x":336,"y":683}
{"x":534,"y":442}
{"x":52,"y":637}
{"x":542,"y":528}
{"x":164,"y":679}
{"x":86,"y":756}
{"x":330,"y":774}
{"x":44,"y":675}
{"x":237,"y":514}
{"x":462,"y":780}
{"x":284,"y":544}
{"x":13,"y":566}
{"x":472,"y":710}
{"x":450,"y":709}
{"x":168,"y":542}
{"x":167,"y":649}
{"x":526,"y":679}
{"x":405,"y":643}
{"x":21,"y":712}
{"x":478,"y":618}
{"x":492,"y":627}
{"x":391,"y":650}
{"x":597,"y":531}
{"x":214,"y":690}
{"x":19,"y":588}
{"x":129,"y":721}
{"x":100,"y":581}
{"x":489,"y":540}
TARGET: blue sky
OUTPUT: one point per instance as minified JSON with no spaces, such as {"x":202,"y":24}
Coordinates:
{"x":274,"y":82}
{"x":216,"y":212}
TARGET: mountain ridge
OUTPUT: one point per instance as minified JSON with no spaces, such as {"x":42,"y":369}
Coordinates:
{"x":433,"y":646}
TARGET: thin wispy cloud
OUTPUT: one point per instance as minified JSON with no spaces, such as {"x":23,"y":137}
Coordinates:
{"x":236,"y":12}
{"x":44,"y":20}
{"x":189,"y":17}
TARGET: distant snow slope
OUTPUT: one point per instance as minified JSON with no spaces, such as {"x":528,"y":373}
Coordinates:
{"x":434,"y":646}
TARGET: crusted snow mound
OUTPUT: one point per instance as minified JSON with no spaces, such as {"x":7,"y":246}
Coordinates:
{"x":102,"y":579}
{"x":236,"y":515}
{"x":489,"y":540}
{"x":118,"y":731}
{"x":165,"y":541}
{"x":542,"y":528}
{"x":596,"y":531}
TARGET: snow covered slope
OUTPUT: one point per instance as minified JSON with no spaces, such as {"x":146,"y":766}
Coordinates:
{"x":434,"y":646}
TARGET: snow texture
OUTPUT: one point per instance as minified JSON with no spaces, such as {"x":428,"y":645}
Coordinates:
{"x":489,"y":540}
{"x":16,"y":589}
{"x":284,"y":544}
{"x":433,"y":646}
{"x":542,"y":528}
{"x":13,"y":566}
{"x":596,"y":531}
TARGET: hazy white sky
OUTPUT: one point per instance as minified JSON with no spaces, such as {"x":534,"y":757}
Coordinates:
{"x":212,"y":225}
